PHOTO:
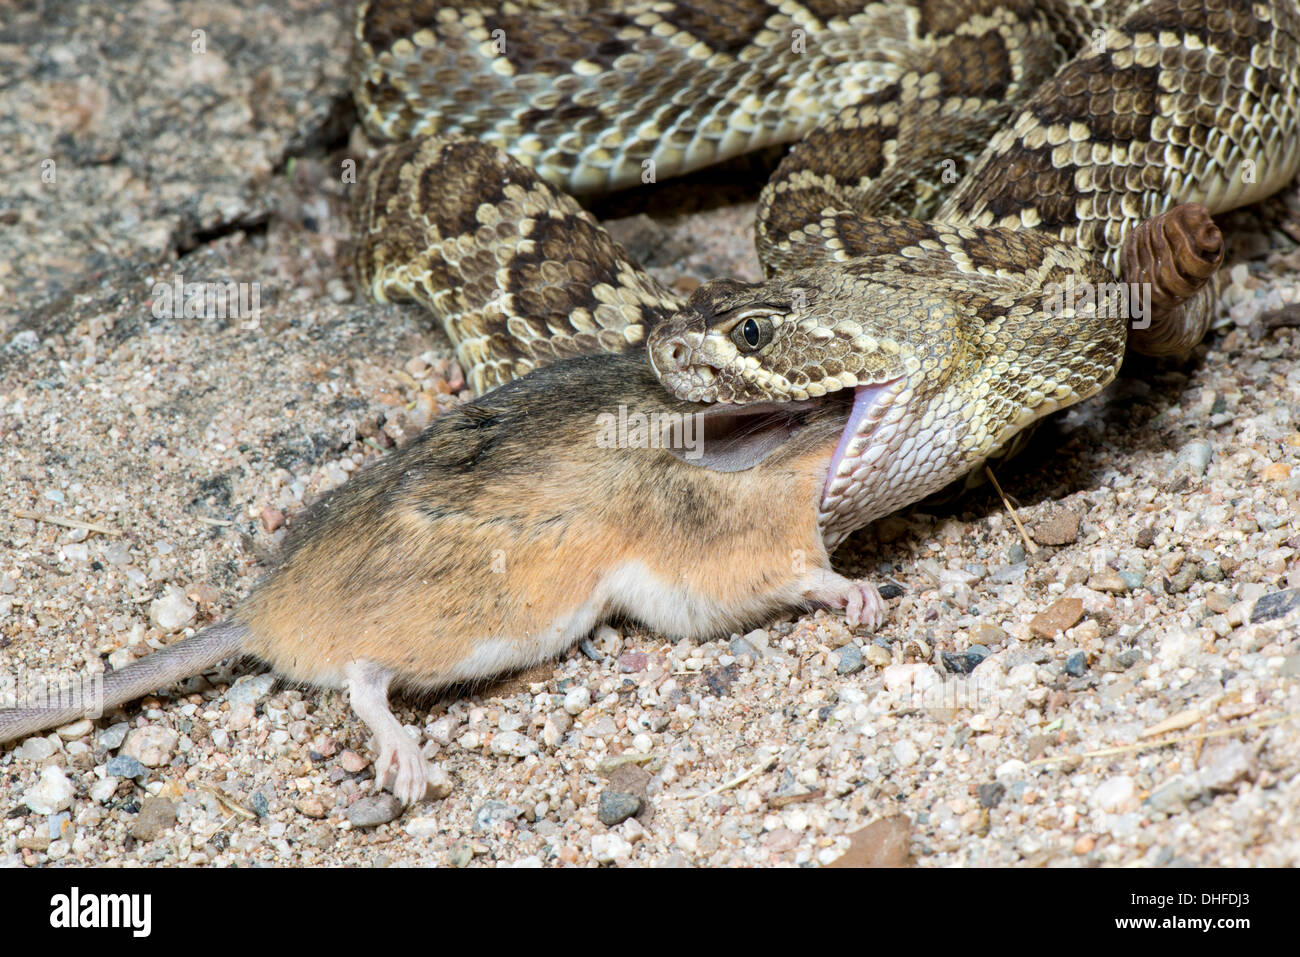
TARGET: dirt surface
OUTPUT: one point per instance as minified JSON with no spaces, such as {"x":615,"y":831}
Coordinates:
{"x":1134,"y":692}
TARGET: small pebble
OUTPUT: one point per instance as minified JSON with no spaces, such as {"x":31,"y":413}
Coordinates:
{"x":151,"y":745}
{"x":51,"y":794}
{"x":173,"y":611}
{"x":1060,"y":526}
{"x":615,"y":807}
{"x":155,"y":816}
{"x":1076,"y":664}
{"x":374,"y":809}
{"x":125,"y":766}
{"x":1114,"y":792}
{"x":607,"y":848}
{"x":103,"y":790}
{"x":250,"y":689}
{"x":1275,"y":605}
{"x":35,"y":750}
{"x":111,"y":738}
{"x":577,"y":700}
{"x":78,"y":729}
{"x":990,"y":794}
{"x":850,"y":660}
{"x":1061,"y":614}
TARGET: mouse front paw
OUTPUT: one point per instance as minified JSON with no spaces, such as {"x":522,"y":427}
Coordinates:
{"x":859,"y":598}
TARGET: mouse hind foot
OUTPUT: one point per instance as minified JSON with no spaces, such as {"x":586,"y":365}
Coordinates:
{"x":859,"y":598}
{"x":400,"y":765}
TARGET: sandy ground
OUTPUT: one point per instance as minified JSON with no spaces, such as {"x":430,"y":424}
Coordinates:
{"x":1134,"y":698}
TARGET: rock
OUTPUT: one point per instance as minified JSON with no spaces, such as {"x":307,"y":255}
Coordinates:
{"x":125,"y":766}
{"x":850,"y":660}
{"x":905,"y":753}
{"x":1275,"y":605}
{"x":1008,"y":772}
{"x":250,"y":689}
{"x":1076,"y":664}
{"x":374,"y":809}
{"x":615,"y":807}
{"x":111,"y":738}
{"x":439,"y":782}
{"x":1172,"y":796}
{"x":1290,"y":667}
{"x":876,"y":655}
{"x":35,"y":750}
{"x":577,"y":700}
{"x":1224,"y":763}
{"x":890,"y":590}
{"x":607,"y":848}
{"x":882,"y":843}
{"x":156,"y":815}
{"x":311,"y":806}
{"x":513,"y":744}
{"x":1183,"y":579}
{"x":631,"y":662}
{"x":1108,"y":581}
{"x":1128,"y":658}
{"x":1114,"y":793}
{"x":1061,"y":614}
{"x":75,"y":730}
{"x":423,"y":827}
{"x":781,"y":840}
{"x":991,"y":794}
{"x":491,"y":813}
{"x":739,"y":647}
{"x":1178,"y":647}
{"x":1060,"y":526}
{"x":1132,"y":579}
{"x":1196,"y":456}
{"x":241,"y":716}
{"x":51,"y":794}
{"x":718,"y":681}
{"x":557,"y":725}
{"x":173,"y":611}
{"x":102,"y":791}
{"x":965,"y":662}
{"x":460,"y":855}
{"x":151,"y":745}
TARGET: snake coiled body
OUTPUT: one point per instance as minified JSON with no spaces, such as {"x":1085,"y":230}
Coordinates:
{"x":961,"y":163}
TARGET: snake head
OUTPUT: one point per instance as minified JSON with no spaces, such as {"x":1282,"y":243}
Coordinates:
{"x":943,"y":369}
{"x":789,"y":339}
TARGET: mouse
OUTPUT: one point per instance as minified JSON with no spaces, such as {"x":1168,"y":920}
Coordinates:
{"x":512,"y":527}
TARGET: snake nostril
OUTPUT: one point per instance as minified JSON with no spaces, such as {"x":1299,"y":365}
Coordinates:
{"x":678,"y":354}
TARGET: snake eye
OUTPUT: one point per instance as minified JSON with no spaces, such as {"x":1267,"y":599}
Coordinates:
{"x":752,"y":333}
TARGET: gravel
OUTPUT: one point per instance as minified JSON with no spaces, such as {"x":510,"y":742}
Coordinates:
{"x":1179,"y":473}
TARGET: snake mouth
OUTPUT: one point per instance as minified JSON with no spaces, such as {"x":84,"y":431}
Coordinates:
{"x":870,"y":403}
{"x":732,"y":438}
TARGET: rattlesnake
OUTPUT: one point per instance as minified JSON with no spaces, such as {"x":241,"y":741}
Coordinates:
{"x":1061,"y":134}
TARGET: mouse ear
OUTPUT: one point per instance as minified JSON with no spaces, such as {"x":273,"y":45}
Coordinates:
{"x":730,"y":438}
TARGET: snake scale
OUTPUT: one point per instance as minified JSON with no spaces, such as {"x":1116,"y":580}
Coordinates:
{"x":968,"y":181}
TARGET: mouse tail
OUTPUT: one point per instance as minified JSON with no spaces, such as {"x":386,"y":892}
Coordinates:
{"x":177,"y":661}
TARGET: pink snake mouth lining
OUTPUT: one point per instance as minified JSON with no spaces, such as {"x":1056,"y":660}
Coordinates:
{"x":870,"y":402}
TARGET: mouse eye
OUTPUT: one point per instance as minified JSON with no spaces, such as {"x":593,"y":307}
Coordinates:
{"x":752,"y":333}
